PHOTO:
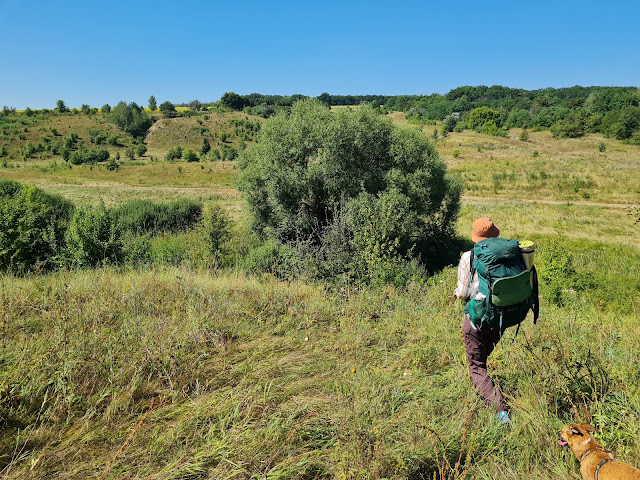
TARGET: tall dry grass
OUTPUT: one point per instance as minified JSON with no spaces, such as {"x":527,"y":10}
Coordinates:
{"x":171,"y":373}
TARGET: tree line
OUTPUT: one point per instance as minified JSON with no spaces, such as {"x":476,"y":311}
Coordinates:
{"x":567,"y":112}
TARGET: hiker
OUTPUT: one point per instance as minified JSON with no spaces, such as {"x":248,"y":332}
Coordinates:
{"x":479,"y":342}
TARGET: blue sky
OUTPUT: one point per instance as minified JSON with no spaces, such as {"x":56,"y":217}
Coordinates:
{"x":103,"y":52}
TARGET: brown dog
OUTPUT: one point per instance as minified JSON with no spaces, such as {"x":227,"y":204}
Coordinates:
{"x":596,"y":463}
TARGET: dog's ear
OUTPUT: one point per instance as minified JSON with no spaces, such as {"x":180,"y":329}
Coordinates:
{"x":588,"y":428}
{"x":575,"y":429}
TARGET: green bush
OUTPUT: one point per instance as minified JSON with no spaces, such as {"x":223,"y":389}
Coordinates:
{"x":567,"y":129}
{"x":144,"y":216}
{"x":190,"y":156}
{"x":185,"y":248}
{"x":113,"y":165}
{"x":93,"y":238}
{"x":141,"y":149}
{"x":228,"y":153}
{"x":89,"y":156}
{"x":174,"y":153}
{"x":136,"y":249}
{"x":32,"y":226}
{"x":313,"y":167}
{"x":558,"y":276}
{"x":479,"y":117}
{"x":130,"y":118}
{"x":217,"y":227}
{"x":271,"y":257}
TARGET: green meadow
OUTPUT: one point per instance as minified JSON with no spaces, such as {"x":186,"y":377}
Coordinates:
{"x":186,"y":370}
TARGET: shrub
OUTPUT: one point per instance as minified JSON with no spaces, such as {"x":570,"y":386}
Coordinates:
{"x":455,"y":153}
{"x":93,"y":238}
{"x":205,"y":147}
{"x":144,"y":216}
{"x":141,"y":149}
{"x":450,"y":123}
{"x":558,"y":275}
{"x":567,"y":129}
{"x":97,"y":137}
{"x":174,"y":154}
{"x":130,"y":153}
{"x":113,"y":165}
{"x":168,"y":109}
{"x":190,"y":156}
{"x":271,"y":257}
{"x":479,"y":117}
{"x":524,"y":135}
{"x":32,"y":226}
{"x":130,"y":118}
{"x":228,"y":153}
{"x":136,"y":249}
{"x":89,"y":156}
{"x":217,"y":226}
{"x":602,"y":147}
{"x":314,"y":168}
{"x":184,"y":248}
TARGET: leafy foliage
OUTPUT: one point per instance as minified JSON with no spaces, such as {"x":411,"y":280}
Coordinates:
{"x":93,"y":237}
{"x":315,"y":170}
{"x":168,"y":109}
{"x":233,"y":100}
{"x":144,"y":216}
{"x":130,"y":118}
{"x":217,"y":226}
{"x":174,"y":153}
{"x":89,"y":156}
{"x":32,"y":226}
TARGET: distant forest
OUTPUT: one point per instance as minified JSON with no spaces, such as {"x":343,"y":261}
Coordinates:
{"x":567,"y":112}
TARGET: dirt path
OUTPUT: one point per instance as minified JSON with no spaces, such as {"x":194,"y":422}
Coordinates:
{"x":550,"y":202}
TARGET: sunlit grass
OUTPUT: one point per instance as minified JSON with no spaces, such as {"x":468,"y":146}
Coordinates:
{"x":201,"y":373}
{"x":249,"y":377}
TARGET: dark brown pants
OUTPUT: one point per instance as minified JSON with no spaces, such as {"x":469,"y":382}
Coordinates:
{"x":479,"y":344}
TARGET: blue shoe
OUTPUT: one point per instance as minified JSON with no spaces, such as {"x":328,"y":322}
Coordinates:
{"x":503,"y":417}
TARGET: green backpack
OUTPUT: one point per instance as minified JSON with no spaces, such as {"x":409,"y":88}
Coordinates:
{"x":510,"y":290}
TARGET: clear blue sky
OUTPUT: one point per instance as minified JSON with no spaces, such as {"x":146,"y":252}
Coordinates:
{"x":103,"y":52}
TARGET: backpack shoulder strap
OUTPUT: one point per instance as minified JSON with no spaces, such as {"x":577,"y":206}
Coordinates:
{"x":536,"y":299}
{"x":471,"y":267}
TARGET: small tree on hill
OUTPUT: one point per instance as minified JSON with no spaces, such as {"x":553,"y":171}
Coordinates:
{"x":168,"y":109}
{"x":61,"y":107}
{"x":483,"y":115}
{"x":152,"y":103}
{"x":195,"y":105}
{"x":234,"y":101}
{"x":205,"y":147}
{"x":131,"y":118}
{"x":141,"y":149}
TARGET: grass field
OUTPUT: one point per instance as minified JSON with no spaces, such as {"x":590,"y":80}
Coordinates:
{"x":176,"y":373}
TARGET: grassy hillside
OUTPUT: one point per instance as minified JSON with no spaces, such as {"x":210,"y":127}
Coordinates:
{"x":180,"y":373}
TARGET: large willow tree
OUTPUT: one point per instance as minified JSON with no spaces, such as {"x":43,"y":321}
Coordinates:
{"x":350,"y":180}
